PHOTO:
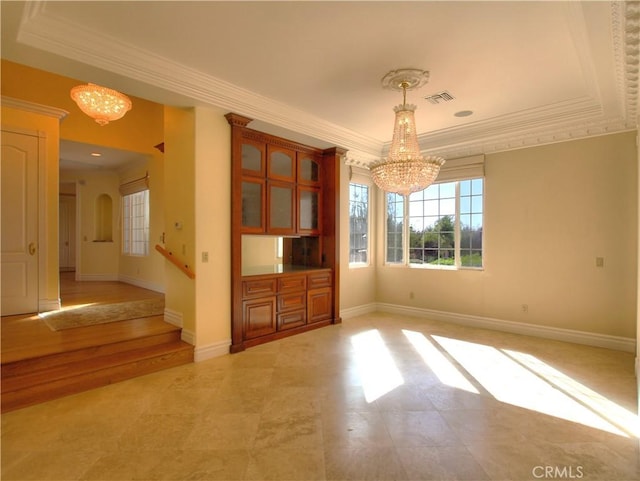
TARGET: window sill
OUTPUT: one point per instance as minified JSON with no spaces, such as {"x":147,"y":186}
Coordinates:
{"x":359,"y":265}
{"x":428,"y":267}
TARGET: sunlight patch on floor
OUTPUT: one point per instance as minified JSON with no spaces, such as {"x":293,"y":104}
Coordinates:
{"x":615,"y":414}
{"x":510,"y":382}
{"x":67,"y":308}
{"x":438,"y":363}
{"x":378,"y":371}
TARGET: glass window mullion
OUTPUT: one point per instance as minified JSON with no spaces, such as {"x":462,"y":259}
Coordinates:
{"x":406,"y":231}
{"x":456,"y":235}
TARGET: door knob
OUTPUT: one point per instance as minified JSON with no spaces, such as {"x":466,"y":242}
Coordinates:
{"x":32,"y":248}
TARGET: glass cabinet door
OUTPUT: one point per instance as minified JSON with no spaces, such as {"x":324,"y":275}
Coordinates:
{"x":281,"y":208}
{"x":252,"y":206}
{"x":281,"y":164}
{"x":308,"y":210}
{"x":308,"y":169}
{"x":253,"y":158}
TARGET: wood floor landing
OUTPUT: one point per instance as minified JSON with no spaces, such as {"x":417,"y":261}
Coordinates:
{"x":39,"y":364}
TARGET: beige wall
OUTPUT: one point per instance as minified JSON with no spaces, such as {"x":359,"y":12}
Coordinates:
{"x":147,"y":271}
{"x":179,"y":201}
{"x":357,"y":284}
{"x":549,"y":212}
{"x":213,"y":231}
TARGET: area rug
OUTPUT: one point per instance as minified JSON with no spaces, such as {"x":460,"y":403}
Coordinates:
{"x":103,"y":313}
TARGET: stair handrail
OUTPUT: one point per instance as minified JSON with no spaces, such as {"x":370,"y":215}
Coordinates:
{"x":169,"y":256}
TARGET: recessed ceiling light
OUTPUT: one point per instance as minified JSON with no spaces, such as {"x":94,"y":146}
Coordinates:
{"x":464,"y":113}
{"x":96,"y":154}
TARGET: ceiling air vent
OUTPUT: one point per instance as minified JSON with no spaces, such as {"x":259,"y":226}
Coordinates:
{"x":440,"y":97}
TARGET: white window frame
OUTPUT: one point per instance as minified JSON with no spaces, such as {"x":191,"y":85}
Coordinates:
{"x":135,"y":238}
{"x":368,"y":220}
{"x":406,"y":233}
{"x":456,"y":170}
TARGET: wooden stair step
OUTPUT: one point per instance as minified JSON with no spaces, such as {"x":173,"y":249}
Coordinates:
{"x":72,"y":378}
{"x":30,"y":366}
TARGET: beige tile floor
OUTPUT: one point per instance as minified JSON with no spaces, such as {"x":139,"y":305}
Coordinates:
{"x":380,"y":397}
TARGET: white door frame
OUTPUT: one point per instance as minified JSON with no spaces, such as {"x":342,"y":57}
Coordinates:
{"x":41,"y":235}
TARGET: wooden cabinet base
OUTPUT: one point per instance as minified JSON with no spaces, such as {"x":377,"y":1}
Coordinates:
{"x":280,"y":335}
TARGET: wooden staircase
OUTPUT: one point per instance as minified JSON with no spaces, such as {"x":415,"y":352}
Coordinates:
{"x":94,"y":356}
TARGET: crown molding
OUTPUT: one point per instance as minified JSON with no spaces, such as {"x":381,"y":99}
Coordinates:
{"x":50,"y":33}
{"x":33,"y":107}
{"x":597,"y":113}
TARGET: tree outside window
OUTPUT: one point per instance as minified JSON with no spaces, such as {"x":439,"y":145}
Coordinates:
{"x":444,"y":225}
{"x":358,"y":223}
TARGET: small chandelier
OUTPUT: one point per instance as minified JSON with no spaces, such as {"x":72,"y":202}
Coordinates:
{"x":102,"y":104}
{"x":405,"y":169}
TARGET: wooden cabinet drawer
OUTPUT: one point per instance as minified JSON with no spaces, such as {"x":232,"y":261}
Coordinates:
{"x":288,"y":320}
{"x":292,"y":284}
{"x":319,"y":279}
{"x":259,"y":317}
{"x":287,"y":302}
{"x":259,"y":287}
{"x":319,"y":304}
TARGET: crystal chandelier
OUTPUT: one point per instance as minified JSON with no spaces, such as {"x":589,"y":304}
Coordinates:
{"x":102,"y":104}
{"x":405,"y":169}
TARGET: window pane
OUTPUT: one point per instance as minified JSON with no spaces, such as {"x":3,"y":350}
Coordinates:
{"x":434,"y":235}
{"x":465,"y":205}
{"x":476,"y":186}
{"x":431,"y":192}
{"x":135,"y":223}
{"x":448,"y":207}
{"x":447,"y":190}
{"x":476,"y":203}
{"x":395,"y":227}
{"x":358,"y":223}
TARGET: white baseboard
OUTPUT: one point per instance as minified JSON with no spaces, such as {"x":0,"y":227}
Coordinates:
{"x":216,"y":349}
{"x":97,"y":277}
{"x":45,"y":305}
{"x":188,"y":336}
{"x":350,"y":312}
{"x":152,"y":286}
{"x":559,"y":334}
{"x":173,"y":317}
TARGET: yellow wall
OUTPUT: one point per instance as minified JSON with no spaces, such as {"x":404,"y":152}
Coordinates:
{"x":139,"y":131}
{"x":148,"y":271}
{"x":179,"y":201}
{"x":48,"y":245}
{"x":213,"y":229}
{"x":96,"y":260}
{"x":549,"y":212}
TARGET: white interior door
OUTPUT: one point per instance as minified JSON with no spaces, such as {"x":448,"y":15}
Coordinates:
{"x":19,"y":222}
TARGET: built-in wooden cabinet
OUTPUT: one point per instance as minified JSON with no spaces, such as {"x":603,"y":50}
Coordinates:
{"x":283,"y":188}
{"x":279,"y":302}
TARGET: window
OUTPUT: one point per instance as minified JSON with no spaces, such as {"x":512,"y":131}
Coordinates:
{"x":442,"y":225}
{"x":395,"y":228}
{"x":358,"y":224}
{"x":135,"y":223}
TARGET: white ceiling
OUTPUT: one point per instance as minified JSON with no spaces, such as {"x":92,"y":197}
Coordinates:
{"x":531,"y":72}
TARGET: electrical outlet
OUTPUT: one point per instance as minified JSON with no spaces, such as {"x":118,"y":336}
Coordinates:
{"x":599,"y":261}
{"x":205,"y":257}
{"x":525,"y":308}
{"x":411,"y":295}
